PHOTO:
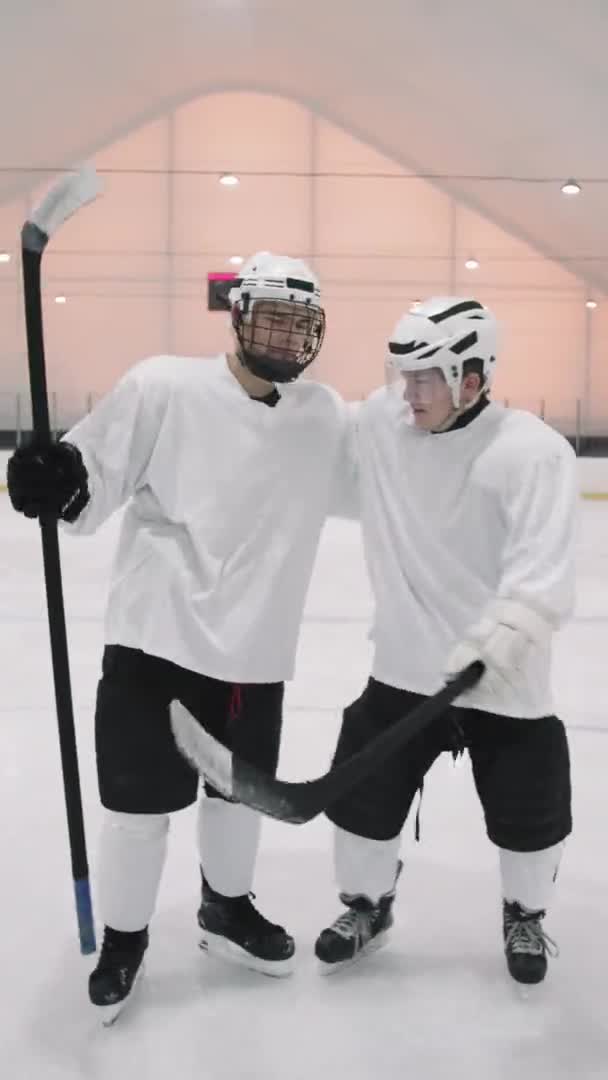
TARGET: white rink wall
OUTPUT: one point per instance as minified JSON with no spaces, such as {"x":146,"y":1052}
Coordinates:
{"x":593,"y":475}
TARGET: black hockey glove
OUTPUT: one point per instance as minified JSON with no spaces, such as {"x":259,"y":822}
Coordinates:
{"x":49,"y":481}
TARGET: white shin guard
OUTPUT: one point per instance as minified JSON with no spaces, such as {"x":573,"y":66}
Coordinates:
{"x":228,"y":841}
{"x":529,"y":876}
{"x":132,"y":854}
{"x":365,"y":867}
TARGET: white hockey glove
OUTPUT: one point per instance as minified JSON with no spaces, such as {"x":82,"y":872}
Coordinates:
{"x":501,"y":639}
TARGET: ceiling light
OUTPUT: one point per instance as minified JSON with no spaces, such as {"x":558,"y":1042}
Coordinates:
{"x":472,"y":264}
{"x":229,"y":180}
{"x":571,"y":188}
{"x":236,"y":260}
{"x":4,"y":257}
{"x":591,"y":304}
{"x":61,"y":299}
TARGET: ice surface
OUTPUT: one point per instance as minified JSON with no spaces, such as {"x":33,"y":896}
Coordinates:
{"x":434,"y":1004}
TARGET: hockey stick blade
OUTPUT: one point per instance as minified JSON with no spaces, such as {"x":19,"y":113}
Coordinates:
{"x":67,"y":196}
{"x":300,"y":801}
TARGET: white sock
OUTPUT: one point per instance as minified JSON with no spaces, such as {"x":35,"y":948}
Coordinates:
{"x":228,"y":841}
{"x":529,"y":876}
{"x":365,"y":867}
{"x":132,"y":854}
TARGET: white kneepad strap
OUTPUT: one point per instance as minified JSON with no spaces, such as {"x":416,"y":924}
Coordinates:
{"x":142,"y":826}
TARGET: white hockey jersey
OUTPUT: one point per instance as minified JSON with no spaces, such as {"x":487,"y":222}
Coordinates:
{"x":453,"y":520}
{"x":226,"y":498}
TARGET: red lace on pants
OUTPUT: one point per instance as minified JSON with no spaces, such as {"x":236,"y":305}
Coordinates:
{"x":236,"y":703}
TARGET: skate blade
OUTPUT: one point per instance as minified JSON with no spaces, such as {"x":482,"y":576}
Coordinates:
{"x":109,"y":1013}
{"x":222,"y":949}
{"x":372,"y":946}
{"x":527,"y":991}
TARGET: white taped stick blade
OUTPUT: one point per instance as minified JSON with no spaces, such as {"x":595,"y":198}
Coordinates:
{"x":65,"y":198}
{"x":206,"y":754}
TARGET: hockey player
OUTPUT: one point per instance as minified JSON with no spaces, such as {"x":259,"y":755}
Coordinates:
{"x":467,"y":513}
{"x":225,"y":466}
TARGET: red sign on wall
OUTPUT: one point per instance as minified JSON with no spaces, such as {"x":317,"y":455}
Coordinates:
{"x":218,"y":287}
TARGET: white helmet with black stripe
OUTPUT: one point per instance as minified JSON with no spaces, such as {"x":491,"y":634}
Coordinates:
{"x":277,"y":316}
{"x":445,"y":332}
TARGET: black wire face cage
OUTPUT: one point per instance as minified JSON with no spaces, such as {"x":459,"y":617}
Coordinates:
{"x":278,"y":339}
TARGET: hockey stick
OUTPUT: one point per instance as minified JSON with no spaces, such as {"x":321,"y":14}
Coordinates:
{"x":64,"y":199}
{"x":301,"y":801}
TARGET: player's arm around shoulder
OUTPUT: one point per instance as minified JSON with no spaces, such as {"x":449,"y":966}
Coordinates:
{"x":539,"y":490}
{"x":343,"y":492}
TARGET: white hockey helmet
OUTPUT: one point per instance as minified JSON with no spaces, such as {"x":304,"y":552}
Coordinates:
{"x":444,"y":332}
{"x":277,"y":316}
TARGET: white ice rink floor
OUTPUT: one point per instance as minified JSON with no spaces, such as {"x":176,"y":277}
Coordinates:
{"x":436,"y":1003}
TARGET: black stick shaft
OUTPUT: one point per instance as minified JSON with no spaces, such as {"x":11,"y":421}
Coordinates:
{"x":33,"y":244}
{"x":299,"y":802}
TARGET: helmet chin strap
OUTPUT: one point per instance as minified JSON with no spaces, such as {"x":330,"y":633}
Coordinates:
{"x":460,"y":411}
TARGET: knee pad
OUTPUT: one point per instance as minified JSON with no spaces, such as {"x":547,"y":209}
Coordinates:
{"x":365,"y":867}
{"x":228,"y":841}
{"x":529,"y":876}
{"x":132,"y":853}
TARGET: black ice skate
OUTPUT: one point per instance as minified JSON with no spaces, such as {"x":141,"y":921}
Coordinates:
{"x":357,"y":932}
{"x":233,"y":929}
{"x":118,"y":971}
{"x":526,"y":943}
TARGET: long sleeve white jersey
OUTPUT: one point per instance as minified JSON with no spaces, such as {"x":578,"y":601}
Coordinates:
{"x":453,"y":521}
{"x":226,"y":498}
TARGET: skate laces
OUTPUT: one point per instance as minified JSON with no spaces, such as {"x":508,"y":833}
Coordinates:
{"x":352,"y":922}
{"x":255,"y":920}
{"x":525,"y":934}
